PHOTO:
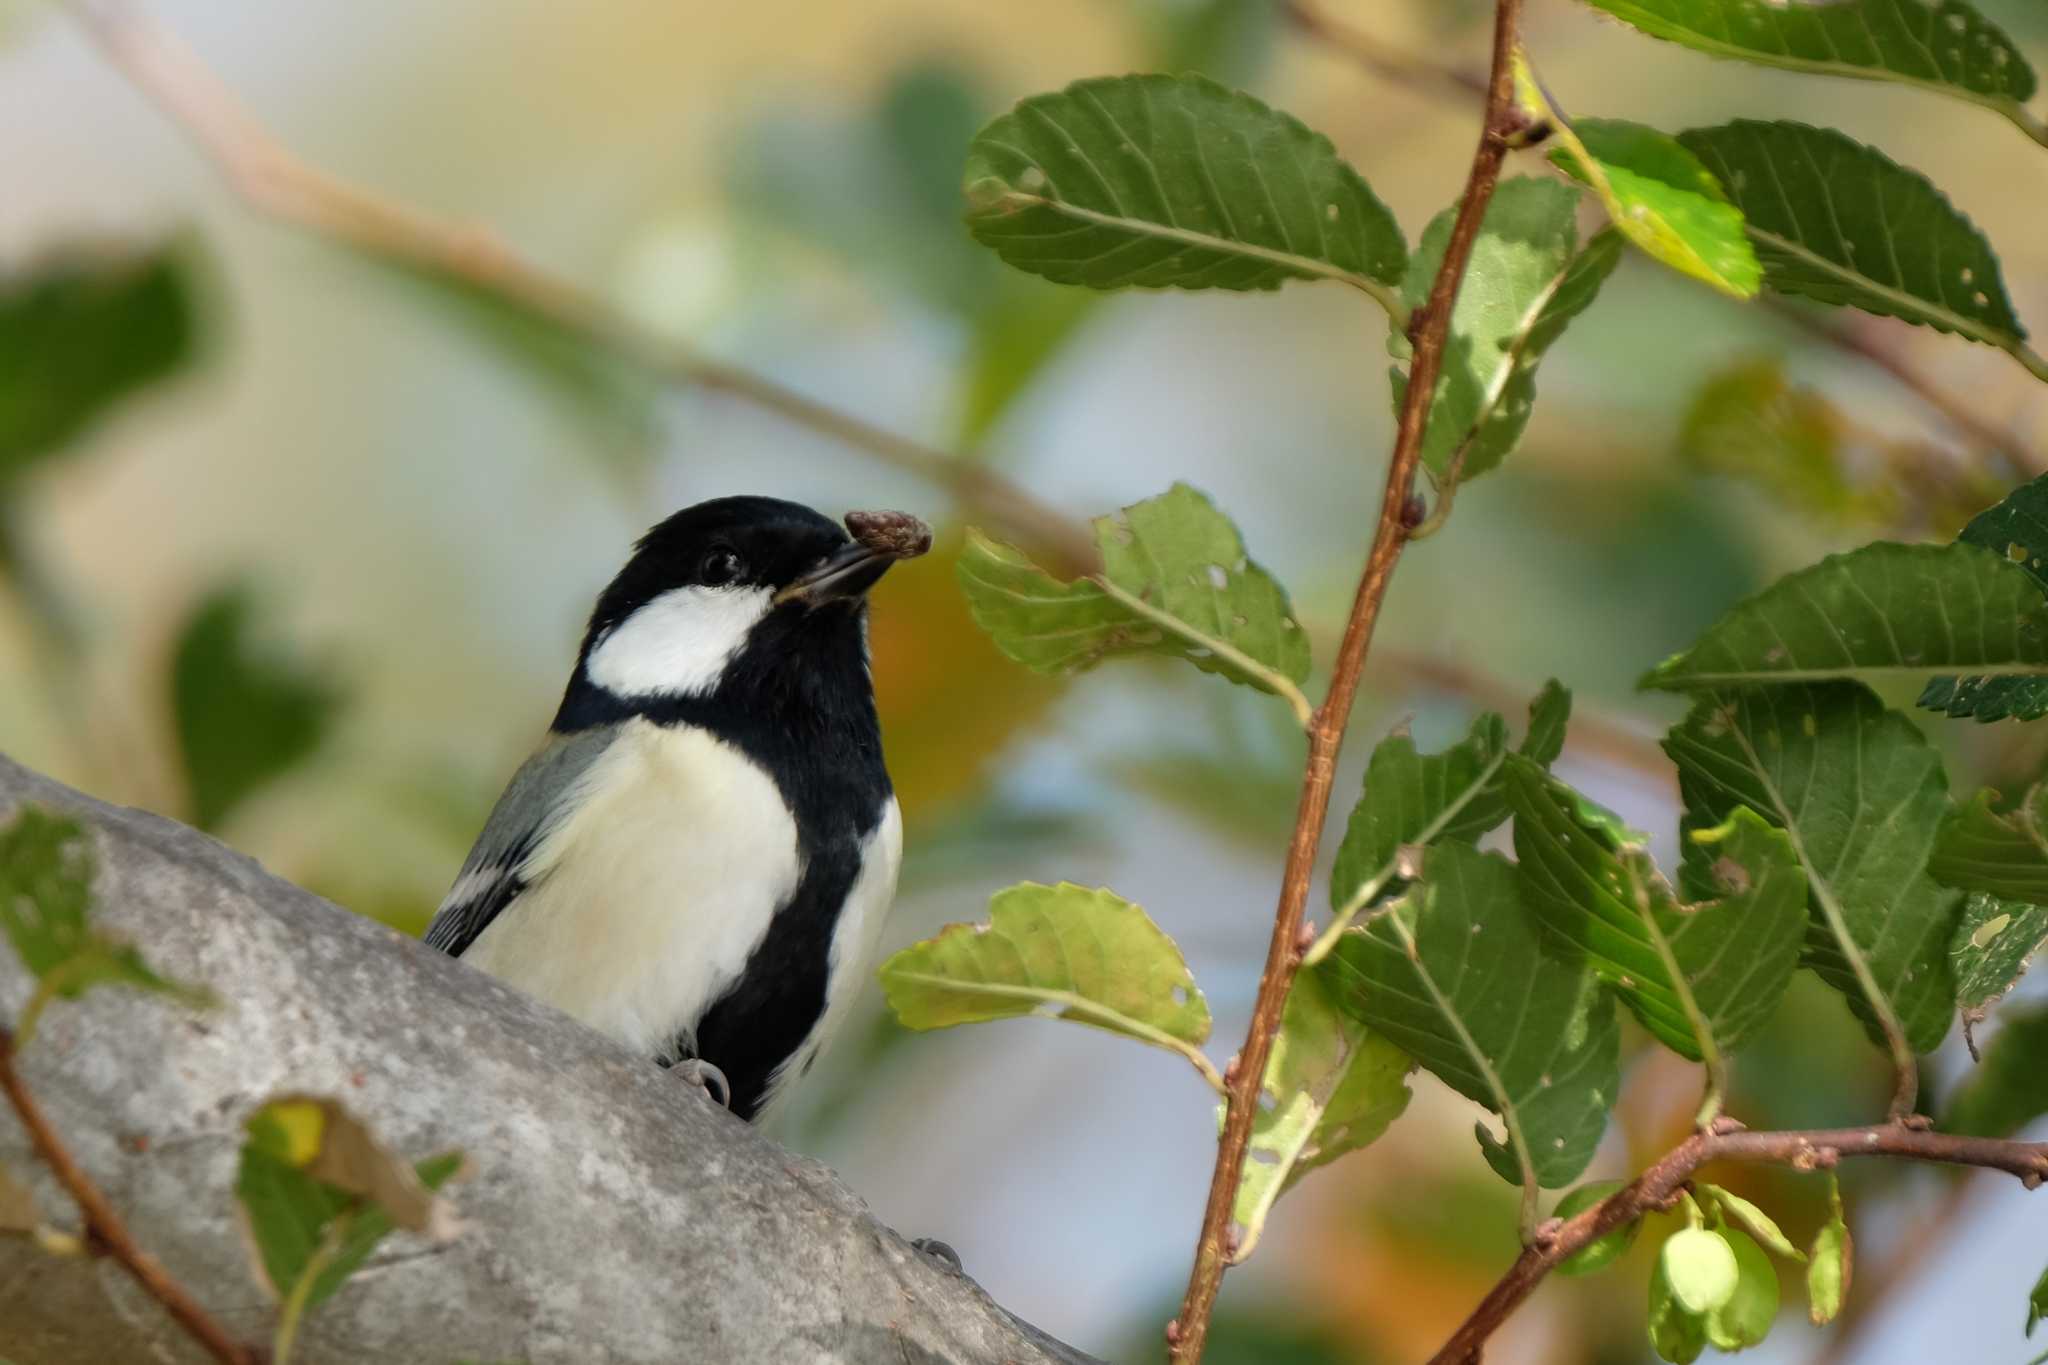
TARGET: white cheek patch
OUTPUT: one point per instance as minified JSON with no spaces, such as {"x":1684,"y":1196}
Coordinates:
{"x":679,"y":643}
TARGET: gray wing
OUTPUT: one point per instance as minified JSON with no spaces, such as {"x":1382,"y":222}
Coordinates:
{"x":533,"y":804}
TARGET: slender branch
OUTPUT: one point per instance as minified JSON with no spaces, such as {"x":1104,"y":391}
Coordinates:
{"x":104,"y":1228}
{"x":1379,"y":58}
{"x":269,"y":179}
{"x":1662,"y":1183}
{"x":1188,"y":1333}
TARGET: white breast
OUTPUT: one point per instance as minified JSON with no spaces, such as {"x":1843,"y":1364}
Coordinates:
{"x":644,"y":905}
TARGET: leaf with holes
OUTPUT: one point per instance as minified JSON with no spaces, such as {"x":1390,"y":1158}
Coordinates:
{"x":1175,"y":580}
{"x":1947,"y":47}
{"x":1861,"y":794}
{"x":1174,"y":182}
{"x":1989,"y":951}
{"x":1661,"y":198}
{"x":2008,"y":1088}
{"x":1332,"y":1086}
{"x":2017,"y":528}
{"x":1717,"y":966}
{"x":46,"y":875}
{"x":1075,"y":953}
{"x":1524,"y":284}
{"x":1839,"y":222}
{"x":1882,"y":613}
{"x":1456,"y":975}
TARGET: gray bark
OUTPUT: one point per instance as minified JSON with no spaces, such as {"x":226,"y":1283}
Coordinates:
{"x":613,"y":1214}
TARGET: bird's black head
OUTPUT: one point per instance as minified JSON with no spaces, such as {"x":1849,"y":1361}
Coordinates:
{"x":748,"y":600}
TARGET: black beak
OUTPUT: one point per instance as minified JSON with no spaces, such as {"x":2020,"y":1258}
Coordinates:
{"x":845,"y":574}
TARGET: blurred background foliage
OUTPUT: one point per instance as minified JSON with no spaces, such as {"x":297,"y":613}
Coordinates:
{"x":296,"y":546}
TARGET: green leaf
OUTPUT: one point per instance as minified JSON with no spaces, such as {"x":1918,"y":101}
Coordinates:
{"x":1947,"y":47}
{"x":1748,"y":422}
{"x":1175,"y":580}
{"x":1861,"y":794}
{"x":1663,"y":199}
{"x":1745,"y":1319}
{"x":2017,"y":528}
{"x":1066,"y":951}
{"x":1332,"y":1086}
{"x":1989,"y":950}
{"x":2008,"y":1089}
{"x":1719,"y":965}
{"x":2037,"y":1303}
{"x":300,"y":1223}
{"x":82,"y":333}
{"x":1676,"y":1332}
{"x":1414,"y":799}
{"x":46,"y":875}
{"x":1174,"y":182}
{"x":1879,"y":613}
{"x":1456,"y":975}
{"x":1523,"y":285}
{"x":1841,"y":223}
{"x":1752,"y":1220}
{"x":1602,"y":1251}
{"x":1828,"y":1269}
{"x":1701,"y":1268}
{"x":246,"y":713}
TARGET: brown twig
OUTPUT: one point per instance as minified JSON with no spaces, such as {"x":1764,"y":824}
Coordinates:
{"x":1656,"y":1187}
{"x":1189,"y":1331}
{"x":104,"y":1229}
{"x":1386,"y":62}
{"x":273,"y":182}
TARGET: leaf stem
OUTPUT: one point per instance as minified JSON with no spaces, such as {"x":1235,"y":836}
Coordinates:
{"x":1189,"y":1332}
{"x":293,"y":1310}
{"x":1702,"y":1032}
{"x":1272,"y":679}
{"x":104,"y":1228}
{"x":1660,"y":1185}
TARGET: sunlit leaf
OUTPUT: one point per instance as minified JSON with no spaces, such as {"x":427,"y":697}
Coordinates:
{"x":1065,"y":951}
{"x":246,"y":712}
{"x":2008,"y":1088}
{"x":1662,"y":199}
{"x":1992,"y":942}
{"x":1332,"y":1086}
{"x":1839,"y":222}
{"x":2017,"y":528}
{"x":1861,"y":793}
{"x":1524,"y":283}
{"x":1591,"y":882}
{"x":1175,"y":580}
{"x":1946,"y":47}
{"x":1173,"y":181}
{"x":1602,"y":1251}
{"x":1879,"y":613}
{"x":1456,"y":975}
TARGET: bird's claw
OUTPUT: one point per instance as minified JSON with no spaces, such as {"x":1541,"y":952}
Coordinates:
{"x":940,"y":1252}
{"x":705,"y":1077}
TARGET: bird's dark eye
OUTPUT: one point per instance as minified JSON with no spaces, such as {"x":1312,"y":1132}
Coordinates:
{"x":719,"y":568}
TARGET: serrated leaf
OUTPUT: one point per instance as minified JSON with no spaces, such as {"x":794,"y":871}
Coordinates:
{"x":1523,"y":285}
{"x":1829,"y":1267}
{"x":1175,"y":580}
{"x":81,"y":333}
{"x":1992,"y":942}
{"x":1746,"y":1318}
{"x":1602,"y":1251}
{"x":46,"y":875}
{"x":1879,"y":613}
{"x":1752,"y":1220}
{"x":1456,"y":975}
{"x":246,"y":712}
{"x":1663,"y":199}
{"x":1841,"y":223}
{"x":1174,"y":182}
{"x":1414,"y":799}
{"x":1947,"y":47}
{"x":1720,"y":964}
{"x":1332,"y":1086}
{"x":2017,"y":528}
{"x":299,"y":1225}
{"x":2008,"y":1088}
{"x":1861,"y":793}
{"x":1066,"y":951}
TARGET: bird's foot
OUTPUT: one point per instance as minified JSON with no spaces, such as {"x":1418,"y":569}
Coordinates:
{"x":705,"y":1077}
{"x":940,"y":1252}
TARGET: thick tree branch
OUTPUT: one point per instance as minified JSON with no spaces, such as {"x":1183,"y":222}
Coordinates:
{"x":1655,"y":1188}
{"x":105,"y":1232}
{"x":614,"y":1213}
{"x":275,"y":183}
{"x":1188,"y":1333}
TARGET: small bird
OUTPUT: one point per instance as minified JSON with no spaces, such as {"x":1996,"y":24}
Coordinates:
{"x":699,"y":858}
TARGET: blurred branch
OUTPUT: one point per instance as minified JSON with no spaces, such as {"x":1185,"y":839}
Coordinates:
{"x":104,"y":1230}
{"x":272,"y":181}
{"x":1382,"y":60}
{"x":1428,"y":330}
{"x":1658,"y":1188}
